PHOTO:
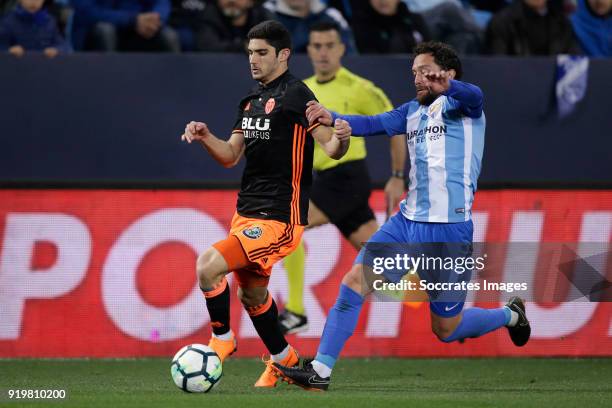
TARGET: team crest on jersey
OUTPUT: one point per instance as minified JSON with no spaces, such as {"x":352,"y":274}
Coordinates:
{"x":270,"y":105}
{"x":252,"y":232}
{"x":435,"y":107}
{"x":247,"y":107}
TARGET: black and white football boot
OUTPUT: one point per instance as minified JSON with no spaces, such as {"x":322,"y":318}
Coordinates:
{"x":291,"y":323}
{"x":305,"y":376}
{"x":522,"y":330}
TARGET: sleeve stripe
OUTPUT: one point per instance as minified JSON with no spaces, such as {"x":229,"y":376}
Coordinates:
{"x":310,"y":129}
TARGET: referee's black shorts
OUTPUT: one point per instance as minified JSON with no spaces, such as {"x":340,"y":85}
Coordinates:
{"x":342,"y":193}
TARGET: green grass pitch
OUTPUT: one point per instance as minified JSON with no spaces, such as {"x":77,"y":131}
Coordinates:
{"x":356,"y":383}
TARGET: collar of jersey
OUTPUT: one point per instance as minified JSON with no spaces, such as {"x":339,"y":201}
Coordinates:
{"x":341,"y":73}
{"x":274,"y":83}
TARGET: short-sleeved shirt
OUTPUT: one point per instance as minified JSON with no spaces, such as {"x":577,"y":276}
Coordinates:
{"x":278,"y":149}
{"x":347,"y":93}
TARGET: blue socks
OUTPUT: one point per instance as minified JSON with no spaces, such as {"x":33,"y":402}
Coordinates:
{"x":477,"y":321}
{"x":343,"y":318}
{"x":340,"y":325}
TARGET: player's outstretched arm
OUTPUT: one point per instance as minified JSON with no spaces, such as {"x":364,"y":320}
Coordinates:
{"x":334,"y":141}
{"x":227,"y":153}
{"x":362,"y":125}
{"x":316,"y":113}
{"x":469,"y":96}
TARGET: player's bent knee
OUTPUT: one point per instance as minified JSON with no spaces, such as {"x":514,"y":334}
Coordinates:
{"x":442,"y":334}
{"x":445,"y":337}
{"x":208,"y":268}
{"x":443,"y":330}
{"x":353,"y":278}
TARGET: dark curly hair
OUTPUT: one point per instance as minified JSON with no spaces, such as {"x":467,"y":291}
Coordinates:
{"x":273,"y":32}
{"x":444,"y":55}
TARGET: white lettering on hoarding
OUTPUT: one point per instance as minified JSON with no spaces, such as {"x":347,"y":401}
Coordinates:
{"x":18,"y":282}
{"x":125,"y":306}
{"x":134,"y":316}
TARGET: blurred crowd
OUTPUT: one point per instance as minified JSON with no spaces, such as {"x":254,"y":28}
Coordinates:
{"x":500,"y":27}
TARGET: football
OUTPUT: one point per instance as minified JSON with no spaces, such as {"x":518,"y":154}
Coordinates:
{"x":196,"y":368}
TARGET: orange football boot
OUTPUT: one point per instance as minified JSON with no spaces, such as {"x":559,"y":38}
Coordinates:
{"x":224,"y":348}
{"x":269,"y":377}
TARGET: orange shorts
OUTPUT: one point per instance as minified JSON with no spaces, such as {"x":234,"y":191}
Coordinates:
{"x":262,"y":243}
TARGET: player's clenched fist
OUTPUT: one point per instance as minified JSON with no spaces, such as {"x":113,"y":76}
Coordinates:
{"x":315,"y":112}
{"x":195,"y":131}
{"x":342,"y":129}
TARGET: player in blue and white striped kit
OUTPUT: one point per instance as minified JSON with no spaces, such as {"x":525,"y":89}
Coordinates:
{"x":445,"y":128}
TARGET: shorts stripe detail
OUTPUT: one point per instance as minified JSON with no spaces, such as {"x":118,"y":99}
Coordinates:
{"x":286,"y":232}
{"x":286,"y":238}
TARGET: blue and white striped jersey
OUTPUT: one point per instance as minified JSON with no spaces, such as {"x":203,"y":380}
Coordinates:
{"x":445,"y":146}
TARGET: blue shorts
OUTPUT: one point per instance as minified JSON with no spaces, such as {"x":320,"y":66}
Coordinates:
{"x":400,"y":237}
